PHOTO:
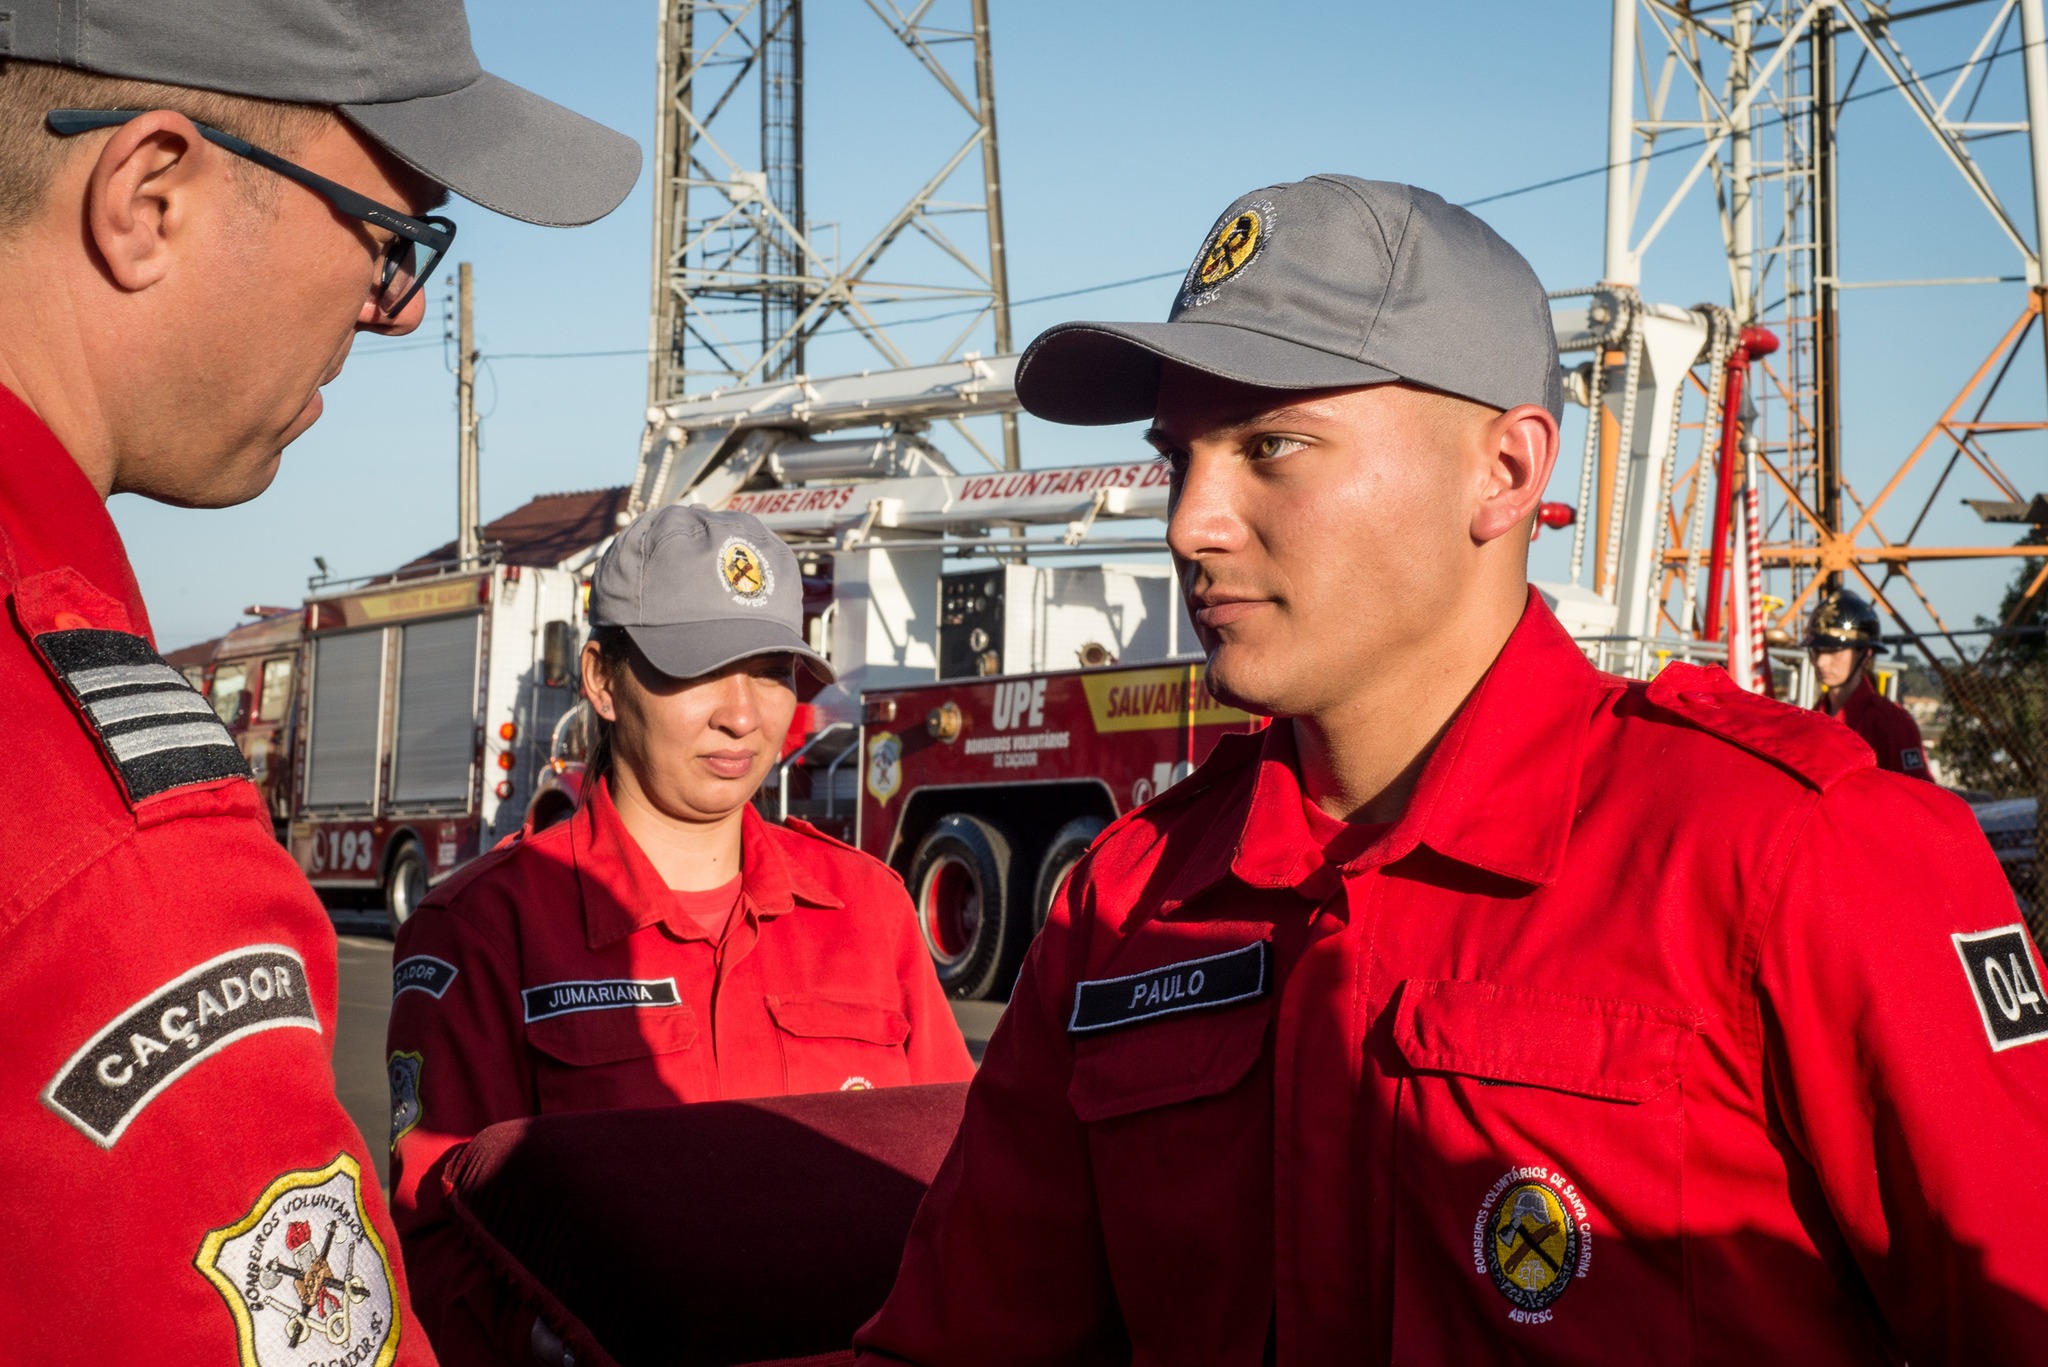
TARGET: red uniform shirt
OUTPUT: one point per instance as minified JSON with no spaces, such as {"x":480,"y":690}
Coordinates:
{"x":1887,"y":728}
{"x":181,"y":1185}
{"x":1661,"y":1027}
{"x":560,"y":973}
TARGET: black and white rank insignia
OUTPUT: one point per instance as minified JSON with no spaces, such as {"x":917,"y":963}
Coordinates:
{"x":2000,"y":966}
{"x":155,"y":728}
{"x":1192,"y":985}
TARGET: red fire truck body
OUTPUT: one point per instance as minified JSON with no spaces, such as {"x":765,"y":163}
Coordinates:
{"x":984,"y":792}
{"x":426,"y":709}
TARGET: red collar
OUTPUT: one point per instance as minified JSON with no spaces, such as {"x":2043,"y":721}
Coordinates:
{"x":623,"y":893}
{"x":1498,"y":793}
{"x":51,"y":516}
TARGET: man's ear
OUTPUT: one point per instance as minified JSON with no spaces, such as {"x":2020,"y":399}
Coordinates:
{"x":141,"y":192}
{"x":1519,"y":448}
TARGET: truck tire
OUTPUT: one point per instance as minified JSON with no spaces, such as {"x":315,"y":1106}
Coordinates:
{"x":1068,"y":844}
{"x":960,"y":888}
{"x":405,"y":882}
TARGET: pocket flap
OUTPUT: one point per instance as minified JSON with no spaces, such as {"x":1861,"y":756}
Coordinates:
{"x":584,"y":1038}
{"x":1612,"y":1050}
{"x":1165,"y":1062}
{"x":824,"y":1018}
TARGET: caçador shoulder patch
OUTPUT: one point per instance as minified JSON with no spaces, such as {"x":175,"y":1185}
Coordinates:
{"x":156,"y":730}
{"x":305,"y":1274}
{"x":1192,"y":985}
{"x":131,"y":1060}
{"x":2007,"y":985}
{"x":423,"y":973}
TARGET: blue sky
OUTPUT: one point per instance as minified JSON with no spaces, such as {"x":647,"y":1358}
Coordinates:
{"x":1125,"y":128}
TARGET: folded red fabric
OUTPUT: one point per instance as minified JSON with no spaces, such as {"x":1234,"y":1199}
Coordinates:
{"x":708,"y":1235}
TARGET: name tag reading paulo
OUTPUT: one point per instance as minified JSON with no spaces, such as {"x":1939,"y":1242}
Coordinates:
{"x":1193,"y":985}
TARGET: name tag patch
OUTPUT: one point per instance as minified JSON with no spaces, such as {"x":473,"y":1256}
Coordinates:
{"x":422,"y":973}
{"x":2000,"y":966}
{"x":1194,"y":985}
{"x":115,"y":1074}
{"x":563,"y":999}
{"x":153,"y":725}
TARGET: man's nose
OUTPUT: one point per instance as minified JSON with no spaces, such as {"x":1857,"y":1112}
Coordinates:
{"x":372,"y":319}
{"x":1204,"y":519}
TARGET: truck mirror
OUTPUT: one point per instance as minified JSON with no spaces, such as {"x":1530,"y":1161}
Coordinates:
{"x":557,"y":654}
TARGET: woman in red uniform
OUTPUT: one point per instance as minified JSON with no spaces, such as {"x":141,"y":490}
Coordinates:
{"x":665,"y":944}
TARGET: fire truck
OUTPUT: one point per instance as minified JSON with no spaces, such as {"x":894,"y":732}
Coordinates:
{"x":999,"y":700}
{"x":426,"y":704}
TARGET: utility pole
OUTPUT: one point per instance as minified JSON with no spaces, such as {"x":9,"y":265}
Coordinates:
{"x":465,"y":439}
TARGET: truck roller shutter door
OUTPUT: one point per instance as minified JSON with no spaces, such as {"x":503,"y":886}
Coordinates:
{"x":341,"y":765}
{"x":436,"y":712}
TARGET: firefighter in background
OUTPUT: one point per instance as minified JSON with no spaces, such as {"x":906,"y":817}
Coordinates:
{"x":1843,"y":635}
{"x":665,"y":944}
{"x":201,"y":205}
{"x":1484,"y":1008}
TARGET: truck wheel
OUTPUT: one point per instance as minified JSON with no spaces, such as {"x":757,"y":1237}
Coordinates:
{"x":960,"y":886}
{"x":405,"y":883}
{"x":1068,"y":844}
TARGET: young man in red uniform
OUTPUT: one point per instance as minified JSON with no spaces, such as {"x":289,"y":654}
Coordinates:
{"x":1484,"y":1008}
{"x":1842,"y":636}
{"x":665,"y":944}
{"x":186,"y":262}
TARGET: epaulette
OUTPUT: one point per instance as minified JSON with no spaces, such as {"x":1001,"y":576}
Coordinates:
{"x":803,"y":827}
{"x":1817,"y":751}
{"x":155,"y":731}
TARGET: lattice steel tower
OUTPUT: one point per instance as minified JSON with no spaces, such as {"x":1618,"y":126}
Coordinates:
{"x":1741,"y":99}
{"x":744,"y":278}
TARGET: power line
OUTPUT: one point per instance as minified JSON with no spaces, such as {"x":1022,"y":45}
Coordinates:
{"x":1531,"y":188}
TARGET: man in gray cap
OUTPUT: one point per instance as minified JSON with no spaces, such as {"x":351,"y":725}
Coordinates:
{"x":201,"y":204}
{"x":1483,"y":1008}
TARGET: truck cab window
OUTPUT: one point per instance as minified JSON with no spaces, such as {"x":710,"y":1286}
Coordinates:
{"x":277,"y":689}
{"x":229,"y":683}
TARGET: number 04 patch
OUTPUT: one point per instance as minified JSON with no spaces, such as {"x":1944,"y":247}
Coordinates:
{"x":2001,"y":967}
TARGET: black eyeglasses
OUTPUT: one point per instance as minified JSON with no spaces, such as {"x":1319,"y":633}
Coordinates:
{"x":408,"y":259}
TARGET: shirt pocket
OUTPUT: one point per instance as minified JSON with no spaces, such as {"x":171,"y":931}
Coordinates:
{"x":1539,"y":1150}
{"x":612,"y":1059}
{"x":1178,"y":1113}
{"x":829,"y":1045}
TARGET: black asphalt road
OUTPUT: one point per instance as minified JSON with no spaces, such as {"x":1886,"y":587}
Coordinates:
{"x":366,"y":1004}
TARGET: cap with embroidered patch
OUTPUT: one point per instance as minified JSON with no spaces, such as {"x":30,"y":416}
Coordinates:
{"x":1327,"y":283}
{"x":402,"y":71}
{"x":699,"y":590}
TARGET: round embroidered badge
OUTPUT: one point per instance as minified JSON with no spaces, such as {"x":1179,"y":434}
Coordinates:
{"x":1532,"y":1239}
{"x":744,"y":571}
{"x":856,"y":1084}
{"x":1233,"y":244}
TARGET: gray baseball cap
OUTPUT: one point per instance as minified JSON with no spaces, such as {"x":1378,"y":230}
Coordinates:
{"x":697,"y":590}
{"x":402,"y":71}
{"x":1326,"y":283}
